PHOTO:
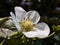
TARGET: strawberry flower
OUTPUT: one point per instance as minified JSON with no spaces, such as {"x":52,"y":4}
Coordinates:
{"x":27,"y":23}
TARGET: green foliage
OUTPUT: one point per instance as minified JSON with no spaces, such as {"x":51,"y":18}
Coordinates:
{"x":56,"y":28}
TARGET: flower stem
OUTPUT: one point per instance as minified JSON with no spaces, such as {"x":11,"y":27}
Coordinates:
{"x":51,"y":34}
{"x":2,"y":42}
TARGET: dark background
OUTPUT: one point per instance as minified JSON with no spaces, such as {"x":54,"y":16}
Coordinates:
{"x":44,"y":7}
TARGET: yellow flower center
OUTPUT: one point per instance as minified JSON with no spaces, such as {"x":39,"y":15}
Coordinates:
{"x":27,"y":25}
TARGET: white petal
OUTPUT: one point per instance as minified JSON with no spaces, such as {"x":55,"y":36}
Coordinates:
{"x":44,"y":30}
{"x":20,"y":13}
{"x":33,"y":16}
{"x":15,"y":22}
{"x":37,"y":33}
{"x":31,"y":34}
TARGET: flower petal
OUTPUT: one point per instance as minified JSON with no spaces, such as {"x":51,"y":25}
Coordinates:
{"x":15,"y":22}
{"x":33,"y":16}
{"x":20,"y":13}
{"x":31,"y":34}
{"x":37,"y":33}
{"x":44,"y":30}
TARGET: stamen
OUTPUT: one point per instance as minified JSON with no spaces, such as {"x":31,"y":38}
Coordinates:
{"x":27,"y":25}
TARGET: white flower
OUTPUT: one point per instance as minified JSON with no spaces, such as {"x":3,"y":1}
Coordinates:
{"x":28,"y":23}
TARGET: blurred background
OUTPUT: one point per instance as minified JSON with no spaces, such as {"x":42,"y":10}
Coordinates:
{"x":48,"y":9}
